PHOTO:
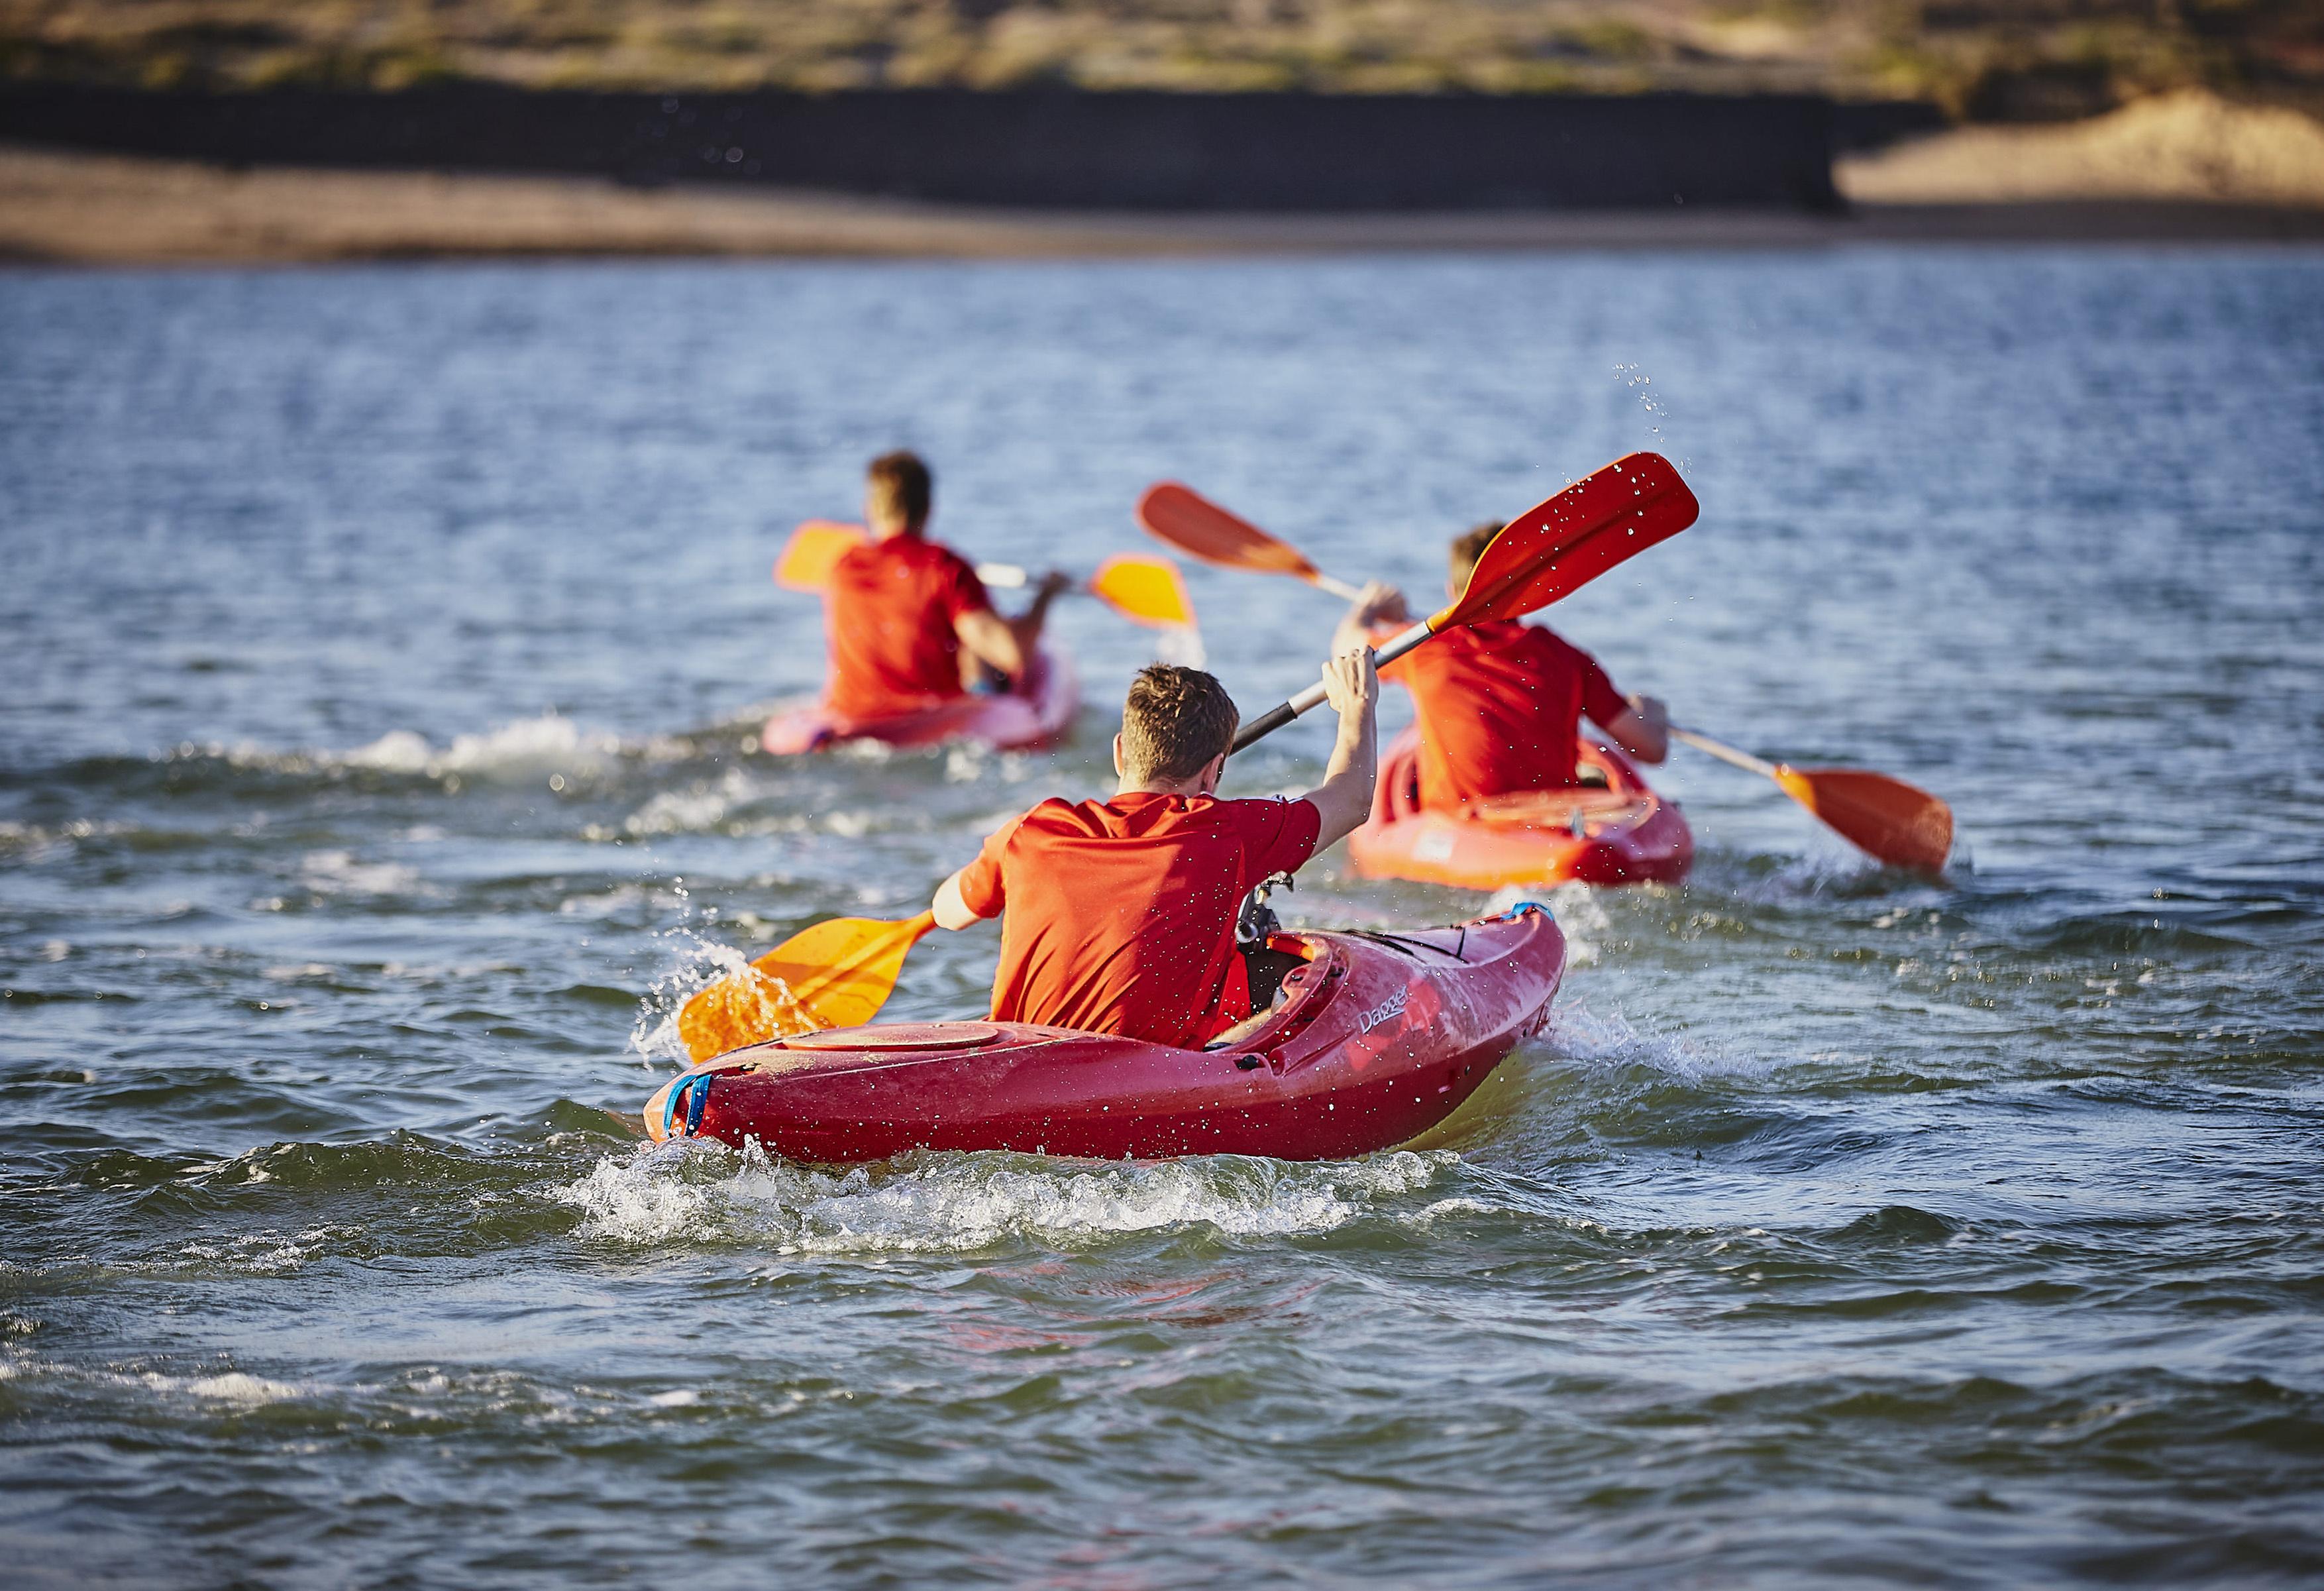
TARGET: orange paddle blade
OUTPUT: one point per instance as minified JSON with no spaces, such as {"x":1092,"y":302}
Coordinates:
{"x":1145,"y":591}
{"x":746,"y":1008}
{"x":1562,"y":545}
{"x":835,"y":975}
{"x":1897,"y":823}
{"x":1199,"y":527}
{"x":813,"y":549}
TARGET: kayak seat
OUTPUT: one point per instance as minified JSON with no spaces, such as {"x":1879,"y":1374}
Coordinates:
{"x":1267,"y":967}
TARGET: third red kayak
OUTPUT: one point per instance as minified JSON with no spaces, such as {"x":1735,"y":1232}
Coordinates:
{"x":1617,"y":832}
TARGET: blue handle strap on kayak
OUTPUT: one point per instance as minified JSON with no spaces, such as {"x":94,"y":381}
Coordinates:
{"x":1522,"y":907}
{"x":694,"y":1100}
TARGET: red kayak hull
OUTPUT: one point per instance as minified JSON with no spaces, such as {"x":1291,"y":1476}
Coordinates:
{"x":1040,"y":715}
{"x":1380,"y":1037}
{"x":1621,"y":833}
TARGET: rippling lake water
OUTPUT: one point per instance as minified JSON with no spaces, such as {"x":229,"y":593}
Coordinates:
{"x":382,"y":646}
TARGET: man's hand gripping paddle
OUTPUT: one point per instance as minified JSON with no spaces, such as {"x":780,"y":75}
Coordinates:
{"x":1895,"y":822}
{"x":1554,"y":549}
{"x":834,"y":975}
{"x":1143,"y":590}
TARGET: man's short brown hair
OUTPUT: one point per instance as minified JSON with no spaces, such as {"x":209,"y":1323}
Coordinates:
{"x":1174,"y":722}
{"x":1468,"y":549}
{"x":901,"y":484}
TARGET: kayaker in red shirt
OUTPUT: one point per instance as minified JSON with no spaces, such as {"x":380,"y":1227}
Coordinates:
{"x":1500,"y":704}
{"x":901,"y":610}
{"x":1119,"y":916}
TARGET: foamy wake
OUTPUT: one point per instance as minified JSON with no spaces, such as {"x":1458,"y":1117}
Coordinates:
{"x":1580,"y":915}
{"x":721,"y":806}
{"x":232,"y":1386}
{"x":1611,"y":1042}
{"x":528,"y":748}
{"x":697,"y":1191}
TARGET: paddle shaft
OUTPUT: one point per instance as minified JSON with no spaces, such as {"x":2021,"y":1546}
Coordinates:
{"x":1006,"y":575}
{"x":1725,"y":753}
{"x":1314,"y":697}
{"x":1338,"y":588}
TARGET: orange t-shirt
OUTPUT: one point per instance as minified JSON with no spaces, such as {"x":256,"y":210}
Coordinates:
{"x":1120,"y":914}
{"x":1501,"y":707}
{"x":890,"y":609}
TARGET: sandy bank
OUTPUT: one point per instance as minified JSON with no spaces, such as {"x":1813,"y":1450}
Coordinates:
{"x":2190,"y":147}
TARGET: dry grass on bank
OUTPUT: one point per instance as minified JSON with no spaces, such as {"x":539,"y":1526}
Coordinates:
{"x":1986,"y":59}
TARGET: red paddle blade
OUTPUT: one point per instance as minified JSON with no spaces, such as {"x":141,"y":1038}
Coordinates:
{"x":1899,"y":824}
{"x":834,"y":975}
{"x":1559,"y":546}
{"x":1199,"y":527}
{"x":813,"y":549}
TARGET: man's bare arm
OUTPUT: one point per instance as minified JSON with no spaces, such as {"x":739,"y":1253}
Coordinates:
{"x":1007,"y":644}
{"x":950,"y":908}
{"x":1643,"y":730}
{"x":1352,"y":685}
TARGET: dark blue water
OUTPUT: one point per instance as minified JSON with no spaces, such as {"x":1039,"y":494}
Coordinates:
{"x":381,"y":648}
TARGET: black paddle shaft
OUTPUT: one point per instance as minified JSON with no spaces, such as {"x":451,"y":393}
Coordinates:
{"x":1260,"y":727}
{"x":1275,"y":718}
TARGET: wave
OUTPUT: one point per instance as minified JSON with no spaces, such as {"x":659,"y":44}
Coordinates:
{"x":524,"y":750}
{"x":1610,"y":1042}
{"x":697,"y":1192}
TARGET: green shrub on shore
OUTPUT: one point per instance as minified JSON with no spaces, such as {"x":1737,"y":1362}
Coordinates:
{"x":1983,"y":59}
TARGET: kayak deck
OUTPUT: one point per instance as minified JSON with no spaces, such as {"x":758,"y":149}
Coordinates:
{"x":1379,"y":1039}
{"x":1618,"y":832}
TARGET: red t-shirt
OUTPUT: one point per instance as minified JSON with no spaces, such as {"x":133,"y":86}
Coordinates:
{"x":1120,"y":914}
{"x":1501,"y":707}
{"x":890,"y":609}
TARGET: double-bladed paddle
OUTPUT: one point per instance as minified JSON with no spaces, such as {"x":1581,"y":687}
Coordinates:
{"x":1551,"y":550}
{"x":1897,"y":823}
{"x":838,"y":974}
{"x":1143,"y":590}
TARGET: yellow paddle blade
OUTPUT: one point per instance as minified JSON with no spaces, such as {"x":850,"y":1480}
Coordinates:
{"x":835,"y":975}
{"x":813,"y":549}
{"x":747,"y":1008}
{"x":1901,"y":825}
{"x":1145,"y":591}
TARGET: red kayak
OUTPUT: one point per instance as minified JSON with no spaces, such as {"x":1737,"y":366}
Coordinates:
{"x":1038,"y":715}
{"x":1617,"y":832}
{"x":1379,"y":1036}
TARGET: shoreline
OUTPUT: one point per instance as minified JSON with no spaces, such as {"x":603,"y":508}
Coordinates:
{"x":63,"y":208}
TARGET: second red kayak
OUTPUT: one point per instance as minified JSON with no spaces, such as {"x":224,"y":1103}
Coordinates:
{"x":1616,"y":832}
{"x":1380,"y":1036}
{"x":1038,"y":715}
